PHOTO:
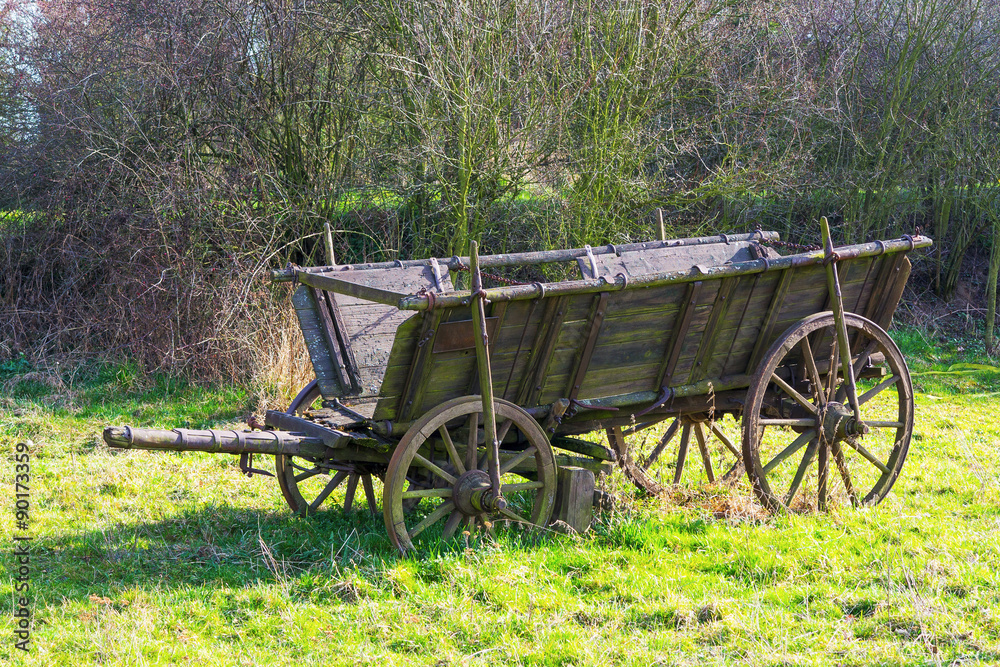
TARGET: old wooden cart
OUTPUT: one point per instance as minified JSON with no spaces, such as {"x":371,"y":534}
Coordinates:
{"x":463,"y":403}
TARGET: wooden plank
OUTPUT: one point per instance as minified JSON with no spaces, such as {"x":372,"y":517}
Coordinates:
{"x":891,"y":267}
{"x":777,"y":301}
{"x":587,"y":351}
{"x":679,"y":333}
{"x":710,"y":337}
{"x":644,"y":262}
{"x":397,"y":368}
{"x":344,"y":338}
{"x":458,"y":334}
{"x":332,"y":344}
{"x":542,"y":349}
{"x":497,"y":314}
{"x":315,"y":340}
{"x":882,"y":315}
{"x":418,"y":377}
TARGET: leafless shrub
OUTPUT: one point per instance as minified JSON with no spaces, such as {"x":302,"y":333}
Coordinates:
{"x":161,"y":156}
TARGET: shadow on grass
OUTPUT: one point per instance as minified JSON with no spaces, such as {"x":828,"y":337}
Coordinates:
{"x":220,"y":546}
{"x":233,"y":547}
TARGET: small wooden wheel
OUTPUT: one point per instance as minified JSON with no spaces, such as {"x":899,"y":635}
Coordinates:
{"x":446,"y":443}
{"x":799,"y":420}
{"x":306,"y":482}
{"x":649,"y":463}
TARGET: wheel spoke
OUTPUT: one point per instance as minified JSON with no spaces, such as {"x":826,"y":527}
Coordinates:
{"x":514,"y":516}
{"x":789,"y":450}
{"x":764,"y":421}
{"x":878,"y":389}
{"x":845,"y":474}
{"x":682,"y":452}
{"x":301,"y":477}
{"x":822,"y":475}
{"x":327,"y":490}
{"x":449,"y":445}
{"x":452,"y":524}
{"x":790,"y":390}
{"x":520,"y":486}
{"x":810,"y":362}
{"x":509,"y":465}
{"x":664,"y":441}
{"x":444,"y":492}
{"x":433,"y":467}
{"x":471,"y":448}
{"x":863,"y":357}
{"x":860,"y":449}
{"x":503,"y":429}
{"x":431,"y":518}
{"x":699,"y":434}
{"x":726,"y":441}
{"x":831,"y":387}
{"x":800,"y":473}
{"x":352,"y":487}
{"x":366,"y":482}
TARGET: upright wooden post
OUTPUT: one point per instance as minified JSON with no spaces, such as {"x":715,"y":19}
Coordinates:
{"x":837,"y":303}
{"x":661,"y":232}
{"x":575,"y":498}
{"x":483,"y":364}
{"x":328,"y":236}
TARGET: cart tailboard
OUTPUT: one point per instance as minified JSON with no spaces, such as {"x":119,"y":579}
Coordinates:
{"x":349,"y":338}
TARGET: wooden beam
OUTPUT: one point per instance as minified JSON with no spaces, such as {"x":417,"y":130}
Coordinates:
{"x":764,"y":334}
{"x":711,"y":334}
{"x":598,"y":309}
{"x":677,"y":336}
{"x":359,"y":291}
{"x":418,"y":377}
{"x":332,"y":341}
{"x":542,"y":351}
{"x":353,"y":369}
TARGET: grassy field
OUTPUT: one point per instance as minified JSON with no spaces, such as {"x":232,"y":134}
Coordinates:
{"x":152,"y":558}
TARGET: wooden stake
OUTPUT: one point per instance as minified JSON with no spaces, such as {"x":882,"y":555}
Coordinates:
{"x":329,"y":244}
{"x":483,"y":365}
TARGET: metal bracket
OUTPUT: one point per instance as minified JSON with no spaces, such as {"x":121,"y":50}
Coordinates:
{"x":246,"y":465}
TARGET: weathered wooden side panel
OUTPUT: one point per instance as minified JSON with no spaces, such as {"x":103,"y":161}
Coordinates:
{"x":307,"y":312}
{"x":369,"y":328}
{"x":631,"y":340}
{"x":682,"y":258}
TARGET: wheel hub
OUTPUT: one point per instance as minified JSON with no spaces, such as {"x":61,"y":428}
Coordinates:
{"x":837,"y":422}
{"x":473,"y":494}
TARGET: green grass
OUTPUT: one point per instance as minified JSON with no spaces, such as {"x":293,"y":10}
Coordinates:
{"x":160,"y":558}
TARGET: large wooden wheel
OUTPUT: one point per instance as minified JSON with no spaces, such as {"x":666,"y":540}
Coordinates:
{"x":804,"y":445}
{"x":442,"y":464}
{"x":307,"y":482}
{"x":654,"y":465}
